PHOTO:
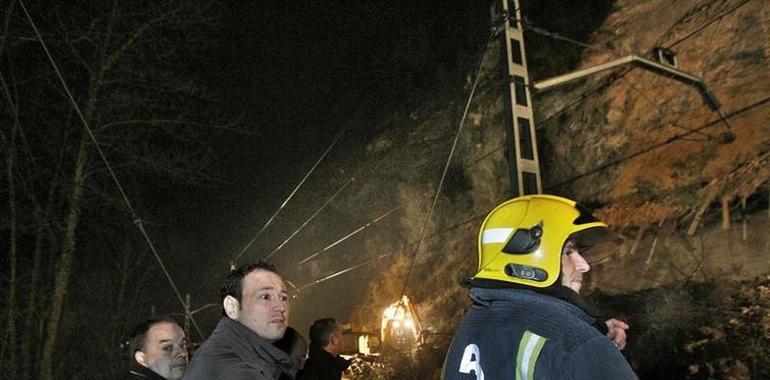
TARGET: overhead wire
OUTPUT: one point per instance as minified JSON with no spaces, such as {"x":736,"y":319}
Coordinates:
{"x":341,"y":272}
{"x":286,"y":201}
{"x":329,"y":200}
{"x":530,"y":26}
{"x":429,"y":215}
{"x":437,"y":234}
{"x":669,"y":140}
{"x":660,"y":113}
{"x":137,"y":221}
{"x":707,"y":24}
{"x":349,"y":235}
{"x":309,"y":219}
{"x":440,"y":185}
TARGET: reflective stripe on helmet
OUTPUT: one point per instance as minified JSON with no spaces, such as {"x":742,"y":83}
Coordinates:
{"x":496,"y":235}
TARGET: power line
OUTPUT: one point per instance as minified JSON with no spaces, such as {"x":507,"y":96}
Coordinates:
{"x":341,"y":272}
{"x":444,"y":173}
{"x":658,"y":111}
{"x":529,"y":25}
{"x":660,"y":144}
{"x":585,"y":96}
{"x":349,"y":235}
{"x":318,"y":211}
{"x":270,"y":220}
{"x":707,"y":24}
{"x":323,"y":206}
{"x":135,"y":217}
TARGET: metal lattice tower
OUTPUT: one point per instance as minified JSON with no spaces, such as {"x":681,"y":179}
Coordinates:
{"x":519,"y":121}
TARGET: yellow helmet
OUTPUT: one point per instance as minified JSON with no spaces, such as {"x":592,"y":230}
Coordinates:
{"x":521,"y":240}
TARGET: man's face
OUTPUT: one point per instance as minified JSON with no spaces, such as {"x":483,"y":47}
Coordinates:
{"x":264,"y":307}
{"x":335,"y":341}
{"x":165,"y":350}
{"x":573,"y":265}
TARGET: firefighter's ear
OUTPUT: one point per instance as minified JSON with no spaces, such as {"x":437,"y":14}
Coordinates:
{"x":139,"y":357}
{"x":232,"y":307}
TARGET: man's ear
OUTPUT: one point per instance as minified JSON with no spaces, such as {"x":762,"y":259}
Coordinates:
{"x":232,"y":307}
{"x":334,"y":340}
{"x":139,"y":357}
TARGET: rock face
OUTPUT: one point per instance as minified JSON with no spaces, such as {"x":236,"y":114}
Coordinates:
{"x":645,"y":147}
{"x":642,"y":149}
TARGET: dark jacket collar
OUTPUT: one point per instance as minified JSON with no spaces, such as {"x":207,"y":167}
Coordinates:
{"x":141,"y":372}
{"x":250,"y":346}
{"x":556,"y":290}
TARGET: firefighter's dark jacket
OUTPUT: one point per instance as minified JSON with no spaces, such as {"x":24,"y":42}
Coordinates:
{"x":321,"y":365}
{"x":523,"y":334}
{"x":234,"y":352}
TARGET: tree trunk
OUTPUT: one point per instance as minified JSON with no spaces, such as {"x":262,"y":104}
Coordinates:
{"x":10,"y":159}
{"x":64,"y":267}
{"x":32,"y":316}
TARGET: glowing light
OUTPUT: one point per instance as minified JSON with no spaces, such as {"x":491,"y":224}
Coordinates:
{"x":399,"y":319}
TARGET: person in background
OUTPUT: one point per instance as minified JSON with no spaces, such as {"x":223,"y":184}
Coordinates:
{"x":255,"y":309}
{"x":324,"y":361}
{"x":527,"y":320}
{"x":158,"y":350}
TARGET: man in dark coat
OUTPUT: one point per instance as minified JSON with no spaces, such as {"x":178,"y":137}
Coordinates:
{"x":324,"y":361}
{"x":158,"y":350}
{"x":255,"y":308}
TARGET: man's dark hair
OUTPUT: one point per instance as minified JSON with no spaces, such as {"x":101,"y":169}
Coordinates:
{"x":233,"y":285}
{"x":137,"y":338}
{"x":321,"y":331}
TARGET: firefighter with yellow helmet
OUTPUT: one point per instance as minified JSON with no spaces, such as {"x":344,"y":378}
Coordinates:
{"x":528,"y":320}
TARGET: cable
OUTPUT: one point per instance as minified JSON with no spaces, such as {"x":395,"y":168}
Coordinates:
{"x":253,"y":239}
{"x":349,"y":235}
{"x":584,"y":96}
{"x":341,"y":272}
{"x":661,"y":144}
{"x":323,"y":206}
{"x":528,"y":25}
{"x":707,"y":24}
{"x":658,"y":111}
{"x":444,"y":173}
{"x":328,"y":201}
{"x":622,"y":76}
{"x":137,"y":220}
